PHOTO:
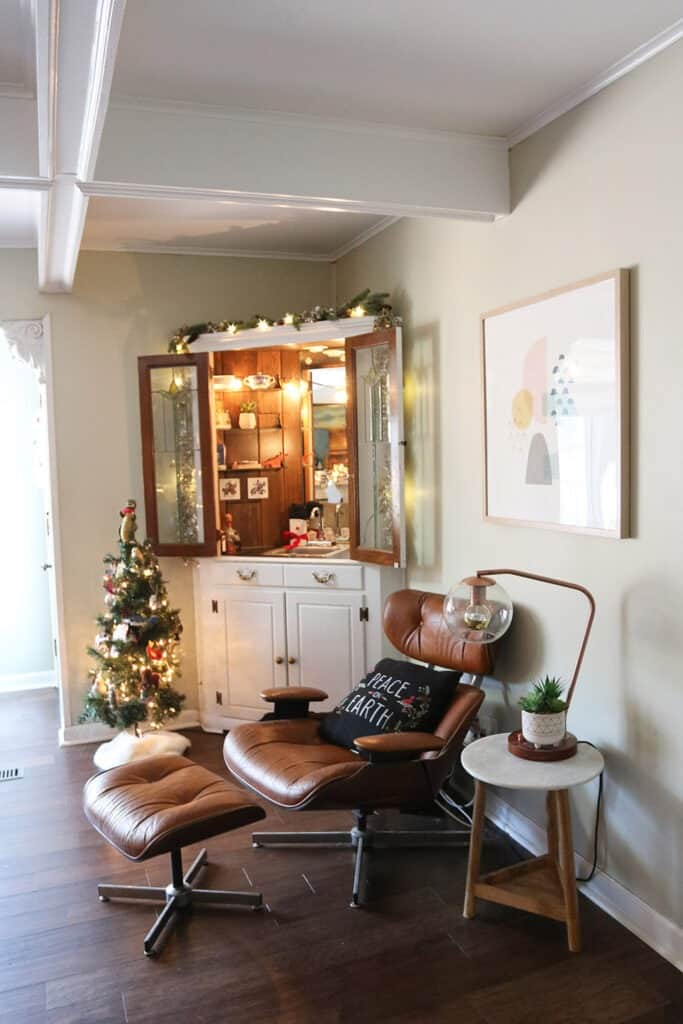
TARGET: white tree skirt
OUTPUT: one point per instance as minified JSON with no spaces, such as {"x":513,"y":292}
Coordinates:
{"x":126,"y":746}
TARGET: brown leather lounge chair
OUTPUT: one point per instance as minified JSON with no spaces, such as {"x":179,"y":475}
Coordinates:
{"x":287,"y":762}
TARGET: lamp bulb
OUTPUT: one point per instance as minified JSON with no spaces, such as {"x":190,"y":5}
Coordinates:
{"x":477,"y":616}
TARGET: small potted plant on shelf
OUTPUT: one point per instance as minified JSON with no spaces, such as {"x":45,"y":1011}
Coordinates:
{"x":247,"y":420}
{"x":544,"y":713}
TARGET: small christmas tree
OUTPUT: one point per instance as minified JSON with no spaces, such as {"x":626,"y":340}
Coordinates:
{"x":136,"y":647}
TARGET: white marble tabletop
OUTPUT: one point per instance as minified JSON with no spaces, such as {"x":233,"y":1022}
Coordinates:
{"x":490,"y":761}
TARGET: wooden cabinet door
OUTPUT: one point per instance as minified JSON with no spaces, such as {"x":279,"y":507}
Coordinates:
{"x":374,"y":418}
{"x":255,"y":652}
{"x":178,"y":456}
{"x":325,"y":641}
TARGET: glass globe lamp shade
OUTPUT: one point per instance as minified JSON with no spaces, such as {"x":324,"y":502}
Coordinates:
{"x":477,"y":610}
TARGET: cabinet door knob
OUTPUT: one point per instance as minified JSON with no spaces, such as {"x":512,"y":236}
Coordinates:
{"x":323,"y":577}
{"x":291,"y":661}
{"x":279,"y":660}
{"x":246,"y":574}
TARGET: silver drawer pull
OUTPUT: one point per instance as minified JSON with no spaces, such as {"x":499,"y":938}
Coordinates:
{"x":323,"y":577}
{"x":246,"y":574}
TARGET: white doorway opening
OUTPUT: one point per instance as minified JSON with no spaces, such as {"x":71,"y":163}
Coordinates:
{"x":31,"y":621}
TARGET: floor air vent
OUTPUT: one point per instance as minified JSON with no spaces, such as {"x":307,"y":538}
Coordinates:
{"x":7,"y":774}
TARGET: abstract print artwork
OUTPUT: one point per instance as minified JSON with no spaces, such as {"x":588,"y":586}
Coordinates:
{"x":229,"y":488}
{"x":556,"y":408}
{"x":257,"y":487}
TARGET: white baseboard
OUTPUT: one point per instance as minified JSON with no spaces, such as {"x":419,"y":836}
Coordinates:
{"x":219,"y":723}
{"x":28,"y":681}
{"x":663,"y":935}
{"x":96,"y":732}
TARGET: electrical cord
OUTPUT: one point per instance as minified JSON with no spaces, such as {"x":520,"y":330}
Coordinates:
{"x":587,"y":878}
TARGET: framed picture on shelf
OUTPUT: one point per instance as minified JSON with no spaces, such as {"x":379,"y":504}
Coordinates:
{"x":257,"y":487}
{"x":556,"y":409}
{"x":229,"y":488}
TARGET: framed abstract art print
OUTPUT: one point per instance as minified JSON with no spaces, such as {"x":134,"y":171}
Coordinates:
{"x":556,"y":403}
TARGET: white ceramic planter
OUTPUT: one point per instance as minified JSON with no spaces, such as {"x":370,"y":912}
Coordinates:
{"x":544,"y":730}
{"x":247,"y":421}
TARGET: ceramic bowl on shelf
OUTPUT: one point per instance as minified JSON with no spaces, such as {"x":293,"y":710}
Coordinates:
{"x":260,"y":381}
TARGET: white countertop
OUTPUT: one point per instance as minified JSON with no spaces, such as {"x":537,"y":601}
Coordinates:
{"x":340,"y":559}
{"x":490,"y":761}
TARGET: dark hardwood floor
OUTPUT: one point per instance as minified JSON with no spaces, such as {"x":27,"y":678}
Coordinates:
{"x":67,"y":958}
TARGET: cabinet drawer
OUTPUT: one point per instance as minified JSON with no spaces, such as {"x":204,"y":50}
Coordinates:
{"x":249,"y":574}
{"x":325,"y":577}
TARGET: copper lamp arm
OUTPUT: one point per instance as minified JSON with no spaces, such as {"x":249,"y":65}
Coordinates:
{"x":556,"y":583}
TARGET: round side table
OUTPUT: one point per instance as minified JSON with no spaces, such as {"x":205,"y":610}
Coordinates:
{"x":543,"y":885}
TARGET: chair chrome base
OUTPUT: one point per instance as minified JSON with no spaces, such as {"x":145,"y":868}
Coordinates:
{"x":363,"y":839}
{"x":178,"y":896}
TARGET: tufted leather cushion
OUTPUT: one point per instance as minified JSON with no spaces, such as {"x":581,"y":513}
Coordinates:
{"x":413,"y":621}
{"x":289,"y":763}
{"x":158,"y":804}
{"x":286,"y":760}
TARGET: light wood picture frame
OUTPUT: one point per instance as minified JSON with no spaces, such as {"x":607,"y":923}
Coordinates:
{"x":555,"y":380}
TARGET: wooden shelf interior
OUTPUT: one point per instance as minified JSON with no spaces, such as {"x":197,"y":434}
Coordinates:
{"x":260,"y":522}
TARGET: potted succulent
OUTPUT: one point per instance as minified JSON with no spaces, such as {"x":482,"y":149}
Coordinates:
{"x":544,"y":713}
{"x":247,"y":420}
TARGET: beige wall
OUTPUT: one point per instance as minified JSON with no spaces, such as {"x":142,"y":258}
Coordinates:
{"x":598,"y":189}
{"x":123,"y":306}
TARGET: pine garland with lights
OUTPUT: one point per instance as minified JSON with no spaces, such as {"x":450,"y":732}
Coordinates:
{"x":366,"y":303}
{"x":135,"y":650}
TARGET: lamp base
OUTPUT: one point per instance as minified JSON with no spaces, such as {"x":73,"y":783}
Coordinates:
{"x":520,"y":747}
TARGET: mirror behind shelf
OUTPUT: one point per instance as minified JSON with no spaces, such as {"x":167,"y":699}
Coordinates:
{"x":325,"y":439}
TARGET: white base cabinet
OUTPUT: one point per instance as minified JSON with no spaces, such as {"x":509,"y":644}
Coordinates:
{"x":261,"y":623}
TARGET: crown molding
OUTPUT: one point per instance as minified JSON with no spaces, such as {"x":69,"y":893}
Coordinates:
{"x":276,"y":118}
{"x":131,"y":190}
{"x":595,"y":85}
{"x":25,"y":184}
{"x":362,"y":237}
{"x":159,"y":249}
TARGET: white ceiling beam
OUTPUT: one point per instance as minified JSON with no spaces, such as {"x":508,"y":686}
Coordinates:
{"x":197,"y":152}
{"x":76,"y":42}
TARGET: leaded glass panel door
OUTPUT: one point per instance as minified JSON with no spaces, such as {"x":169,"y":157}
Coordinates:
{"x":177,"y":453}
{"x":376,"y":449}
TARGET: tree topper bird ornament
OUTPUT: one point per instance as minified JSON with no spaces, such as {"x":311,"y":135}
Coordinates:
{"x":128,"y":522}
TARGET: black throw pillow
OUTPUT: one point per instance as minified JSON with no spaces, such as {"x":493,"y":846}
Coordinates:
{"x":397,"y":696}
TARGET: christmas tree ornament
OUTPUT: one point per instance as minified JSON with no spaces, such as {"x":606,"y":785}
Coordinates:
{"x":99,"y":687}
{"x":120,"y":632}
{"x":132,"y":683}
{"x":128,"y":522}
{"x":155,"y":652}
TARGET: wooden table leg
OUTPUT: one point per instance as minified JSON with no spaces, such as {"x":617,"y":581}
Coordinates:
{"x":475,"y":846}
{"x":567,"y":871}
{"x":551,"y":813}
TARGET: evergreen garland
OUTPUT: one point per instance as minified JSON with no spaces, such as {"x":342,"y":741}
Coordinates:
{"x":372,"y":303}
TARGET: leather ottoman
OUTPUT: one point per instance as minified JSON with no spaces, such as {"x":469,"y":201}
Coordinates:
{"x":159,"y":805}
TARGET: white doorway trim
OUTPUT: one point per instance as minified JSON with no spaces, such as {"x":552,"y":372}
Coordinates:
{"x":31,"y":341}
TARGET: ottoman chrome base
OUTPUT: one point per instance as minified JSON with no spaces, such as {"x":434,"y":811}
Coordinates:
{"x":178,"y":896}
